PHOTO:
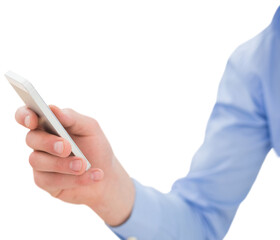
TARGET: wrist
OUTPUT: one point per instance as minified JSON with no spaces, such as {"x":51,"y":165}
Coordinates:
{"x":117,"y":195}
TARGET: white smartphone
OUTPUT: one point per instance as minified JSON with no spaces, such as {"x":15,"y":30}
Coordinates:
{"x":47,"y":120}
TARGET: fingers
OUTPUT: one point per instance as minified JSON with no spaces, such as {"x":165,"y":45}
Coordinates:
{"x":45,"y":162}
{"x":26,"y":117}
{"x":43,"y":141}
{"x":76,"y":123}
{"x":52,"y":182}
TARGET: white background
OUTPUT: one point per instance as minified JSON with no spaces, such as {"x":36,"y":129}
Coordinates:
{"x":148,"y":71}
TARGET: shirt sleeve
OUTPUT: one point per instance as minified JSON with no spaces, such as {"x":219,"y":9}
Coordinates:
{"x":202,"y":205}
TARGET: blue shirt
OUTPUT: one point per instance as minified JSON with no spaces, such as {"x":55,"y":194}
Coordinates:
{"x":243,"y":127}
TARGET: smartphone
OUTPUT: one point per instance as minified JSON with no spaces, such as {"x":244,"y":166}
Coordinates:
{"x":47,"y":120}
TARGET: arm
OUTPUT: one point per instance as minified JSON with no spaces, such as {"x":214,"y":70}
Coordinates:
{"x":201,"y":205}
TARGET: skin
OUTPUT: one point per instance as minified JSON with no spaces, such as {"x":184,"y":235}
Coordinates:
{"x":106,"y":187}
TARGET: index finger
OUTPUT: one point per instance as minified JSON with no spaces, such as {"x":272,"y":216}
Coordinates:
{"x":26,"y":117}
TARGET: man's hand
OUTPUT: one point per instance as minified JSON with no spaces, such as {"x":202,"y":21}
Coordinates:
{"x":105,"y":187}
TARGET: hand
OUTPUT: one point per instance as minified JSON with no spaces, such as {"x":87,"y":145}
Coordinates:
{"x":64,"y":176}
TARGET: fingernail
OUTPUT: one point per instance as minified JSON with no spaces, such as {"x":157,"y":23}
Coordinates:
{"x":96,"y":175}
{"x":27,"y":121}
{"x":58,"y":147}
{"x":76,"y":165}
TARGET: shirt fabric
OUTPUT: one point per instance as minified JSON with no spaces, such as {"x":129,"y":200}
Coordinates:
{"x":243,"y":127}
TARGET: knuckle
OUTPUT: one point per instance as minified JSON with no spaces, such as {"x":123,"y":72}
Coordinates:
{"x":38,"y":180}
{"x":59,"y":164}
{"x":45,"y":182}
{"x":32,"y":159}
{"x":28,"y":137}
{"x":81,"y":181}
{"x":94,"y":123}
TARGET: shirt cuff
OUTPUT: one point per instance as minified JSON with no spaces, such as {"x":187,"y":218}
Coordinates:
{"x":144,"y":220}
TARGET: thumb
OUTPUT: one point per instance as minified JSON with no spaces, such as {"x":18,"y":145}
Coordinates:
{"x":75,"y":123}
